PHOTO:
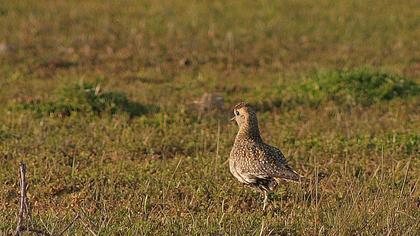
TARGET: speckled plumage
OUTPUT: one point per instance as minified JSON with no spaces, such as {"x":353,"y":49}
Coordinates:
{"x":254,"y":162}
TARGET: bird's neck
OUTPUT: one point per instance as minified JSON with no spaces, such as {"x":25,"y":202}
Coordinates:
{"x":249,"y":130}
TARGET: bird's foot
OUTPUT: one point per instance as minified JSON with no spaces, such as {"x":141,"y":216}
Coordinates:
{"x":265,"y":200}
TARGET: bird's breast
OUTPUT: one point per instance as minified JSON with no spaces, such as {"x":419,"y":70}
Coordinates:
{"x":236,"y":172}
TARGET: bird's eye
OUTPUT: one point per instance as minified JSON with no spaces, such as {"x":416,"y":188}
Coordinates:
{"x":237,"y":113}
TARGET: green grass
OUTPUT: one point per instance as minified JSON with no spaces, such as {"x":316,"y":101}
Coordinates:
{"x":97,"y":99}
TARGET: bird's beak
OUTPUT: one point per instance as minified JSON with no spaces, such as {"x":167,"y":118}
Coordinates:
{"x":232,"y":119}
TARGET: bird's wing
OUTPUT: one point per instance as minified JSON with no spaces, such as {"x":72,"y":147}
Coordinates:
{"x":277,"y":165}
{"x":246,"y":167}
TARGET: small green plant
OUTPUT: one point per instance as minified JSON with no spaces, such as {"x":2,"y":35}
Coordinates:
{"x":87,"y":98}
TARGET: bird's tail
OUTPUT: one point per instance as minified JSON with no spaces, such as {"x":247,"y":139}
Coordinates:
{"x":303,"y":179}
{"x":299,"y":178}
{"x":292,"y":175}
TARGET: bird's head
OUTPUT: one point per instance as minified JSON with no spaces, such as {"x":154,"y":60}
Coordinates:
{"x":244,"y":115}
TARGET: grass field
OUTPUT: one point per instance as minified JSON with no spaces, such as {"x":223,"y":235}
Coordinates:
{"x":96,"y":97}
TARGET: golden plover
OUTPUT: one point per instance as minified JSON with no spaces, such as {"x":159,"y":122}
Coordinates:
{"x":254,"y":162}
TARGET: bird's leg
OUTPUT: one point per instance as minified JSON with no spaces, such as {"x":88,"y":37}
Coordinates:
{"x":265,"y":200}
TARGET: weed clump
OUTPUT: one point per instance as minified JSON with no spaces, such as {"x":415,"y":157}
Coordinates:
{"x":354,"y":87}
{"x":86,"y":98}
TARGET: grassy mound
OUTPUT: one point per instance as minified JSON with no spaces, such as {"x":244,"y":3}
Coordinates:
{"x":344,"y":88}
{"x":355,"y":87}
{"x":87,"y":98}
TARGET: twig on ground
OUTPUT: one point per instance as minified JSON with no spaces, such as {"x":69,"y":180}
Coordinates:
{"x":25,"y":210}
{"x":87,"y":227}
{"x":69,"y":225}
{"x":22,"y":209}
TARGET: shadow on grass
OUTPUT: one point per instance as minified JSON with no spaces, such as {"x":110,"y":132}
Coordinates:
{"x":87,"y":98}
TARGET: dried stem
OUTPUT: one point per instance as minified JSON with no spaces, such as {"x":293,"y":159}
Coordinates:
{"x":23,"y":201}
{"x":69,"y":225}
{"x":25,"y":211}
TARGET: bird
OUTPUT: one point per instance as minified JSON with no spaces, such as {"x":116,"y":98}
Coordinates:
{"x":252,"y":161}
{"x":209,"y":102}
